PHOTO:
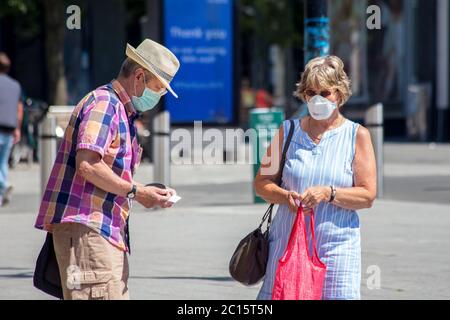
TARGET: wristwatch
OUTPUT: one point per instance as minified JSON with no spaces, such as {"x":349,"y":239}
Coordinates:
{"x":333,"y":193}
{"x":132,"y":193}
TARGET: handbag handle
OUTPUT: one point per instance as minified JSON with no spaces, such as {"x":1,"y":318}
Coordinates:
{"x":314,"y":254}
{"x":268,"y":213}
{"x":313,"y":235}
{"x":284,"y":154}
{"x":299,"y":220}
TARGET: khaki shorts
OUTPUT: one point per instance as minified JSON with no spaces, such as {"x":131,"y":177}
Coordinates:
{"x":90,"y":266}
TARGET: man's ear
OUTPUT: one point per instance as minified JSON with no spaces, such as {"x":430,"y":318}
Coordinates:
{"x":139,"y":73}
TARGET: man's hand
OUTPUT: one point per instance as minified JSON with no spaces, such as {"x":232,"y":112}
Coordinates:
{"x":17,"y":135}
{"x":151,"y":197}
{"x":171,"y":192}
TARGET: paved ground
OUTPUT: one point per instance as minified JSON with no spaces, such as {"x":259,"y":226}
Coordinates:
{"x":183,"y":253}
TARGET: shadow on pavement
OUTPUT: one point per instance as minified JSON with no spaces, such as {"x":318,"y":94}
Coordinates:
{"x":17,"y":275}
{"x":186,"y":278}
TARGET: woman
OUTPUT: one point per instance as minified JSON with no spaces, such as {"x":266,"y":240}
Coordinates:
{"x":330,"y":168}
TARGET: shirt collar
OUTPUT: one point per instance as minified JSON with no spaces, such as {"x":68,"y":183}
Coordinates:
{"x":125,"y":99}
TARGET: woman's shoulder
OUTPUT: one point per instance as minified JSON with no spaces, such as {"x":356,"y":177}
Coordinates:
{"x":354,"y":125}
{"x":361,"y":133}
{"x":286,"y":125}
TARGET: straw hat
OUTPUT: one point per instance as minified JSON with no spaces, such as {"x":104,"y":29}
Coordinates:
{"x":157,"y":59}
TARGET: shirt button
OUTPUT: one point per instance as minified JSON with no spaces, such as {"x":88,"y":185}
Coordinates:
{"x":315,"y":151}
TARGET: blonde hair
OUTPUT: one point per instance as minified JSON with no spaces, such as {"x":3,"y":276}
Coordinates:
{"x":325,"y":73}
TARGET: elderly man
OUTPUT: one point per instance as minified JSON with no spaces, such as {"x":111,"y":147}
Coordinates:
{"x":11,"y":113}
{"x":87,"y":201}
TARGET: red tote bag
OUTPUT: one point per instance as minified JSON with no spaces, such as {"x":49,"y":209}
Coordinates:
{"x":299,"y":276}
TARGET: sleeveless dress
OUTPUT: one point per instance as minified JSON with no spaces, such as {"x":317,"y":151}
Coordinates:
{"x":337,"y":230}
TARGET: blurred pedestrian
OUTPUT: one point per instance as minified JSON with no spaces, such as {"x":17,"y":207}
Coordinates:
{"x":263,"y":99}
{"x":247,"y":100}
{"x":330,"y":167}
{"x":247,"y":95}
{"x":11,"y":114}
{"x":87,"y":202}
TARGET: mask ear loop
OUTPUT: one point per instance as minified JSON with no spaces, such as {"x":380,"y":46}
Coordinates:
{"x":145,"y":84}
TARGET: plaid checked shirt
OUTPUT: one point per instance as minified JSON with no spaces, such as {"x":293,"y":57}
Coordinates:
{"x":102,"y":122}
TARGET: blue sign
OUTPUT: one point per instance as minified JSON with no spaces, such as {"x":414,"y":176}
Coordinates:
{"x":317,"y":38}
{"x":200,"y":34}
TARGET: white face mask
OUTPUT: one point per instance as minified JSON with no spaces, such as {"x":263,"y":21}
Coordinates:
{"x":321,"y":108}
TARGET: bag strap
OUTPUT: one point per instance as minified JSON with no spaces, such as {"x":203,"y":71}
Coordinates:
{"x":300,"y":221}
{"x":293,"y":235}
{"x":313,"y":236}
{"x":285,"y":150}
{"x":313,"y":255}
{"x":268,"y":213}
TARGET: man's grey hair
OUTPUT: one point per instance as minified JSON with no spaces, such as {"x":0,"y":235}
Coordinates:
{"x":128,"y":68}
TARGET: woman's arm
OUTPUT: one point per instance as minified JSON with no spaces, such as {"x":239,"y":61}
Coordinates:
{"x":364,"y":191}
{"x":266,"y":179}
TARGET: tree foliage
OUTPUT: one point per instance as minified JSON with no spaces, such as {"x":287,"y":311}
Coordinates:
{"x":17,"y":7}
{"x":26,"y":13}
{"x":275,"y":21}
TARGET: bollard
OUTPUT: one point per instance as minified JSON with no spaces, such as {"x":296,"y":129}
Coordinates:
{"x":374,"y":123}
{"x":161,"y":148}
{"x":266,"y":123}
{"x":47,"y":148}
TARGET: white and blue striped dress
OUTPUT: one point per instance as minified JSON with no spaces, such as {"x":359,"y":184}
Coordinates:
{"x":337,"y":230}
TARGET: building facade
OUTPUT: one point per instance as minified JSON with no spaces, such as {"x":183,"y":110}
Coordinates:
{"x":403,"y":64}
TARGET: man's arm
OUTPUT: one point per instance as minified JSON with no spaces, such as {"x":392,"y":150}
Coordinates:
{"x":91,"y":167}
{"x":18,"y":131}
{"x":96,"y":132}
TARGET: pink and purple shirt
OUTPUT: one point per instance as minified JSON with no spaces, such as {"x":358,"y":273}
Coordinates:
{"x":103,"y":122}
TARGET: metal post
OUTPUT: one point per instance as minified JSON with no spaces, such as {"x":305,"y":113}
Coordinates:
{"x":47,"y":148}
{"x":374,"y":122}
{"x":152,"y":27}
{"x":317,"y":29}
{"x":161,"y":148}
{"x":442,"y":81}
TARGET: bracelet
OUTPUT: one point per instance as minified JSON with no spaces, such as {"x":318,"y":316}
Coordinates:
{"x":333,"y":193}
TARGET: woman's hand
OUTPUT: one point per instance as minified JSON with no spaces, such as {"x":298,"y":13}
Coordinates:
{"x":313,"y":196}
{"x":293,"y":201}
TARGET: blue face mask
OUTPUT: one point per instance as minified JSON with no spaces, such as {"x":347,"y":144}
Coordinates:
{"x":147,"y":101}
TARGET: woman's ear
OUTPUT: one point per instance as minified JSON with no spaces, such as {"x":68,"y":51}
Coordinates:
{"x":339,"y":99}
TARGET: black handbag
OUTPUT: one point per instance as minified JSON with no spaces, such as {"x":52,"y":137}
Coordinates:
{"x":249,"y":260}
{"x":46,"y":274}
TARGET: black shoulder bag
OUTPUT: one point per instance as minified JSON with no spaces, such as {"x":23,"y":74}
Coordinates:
{"x":249,"y":261}
{"x":46,"y":274}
